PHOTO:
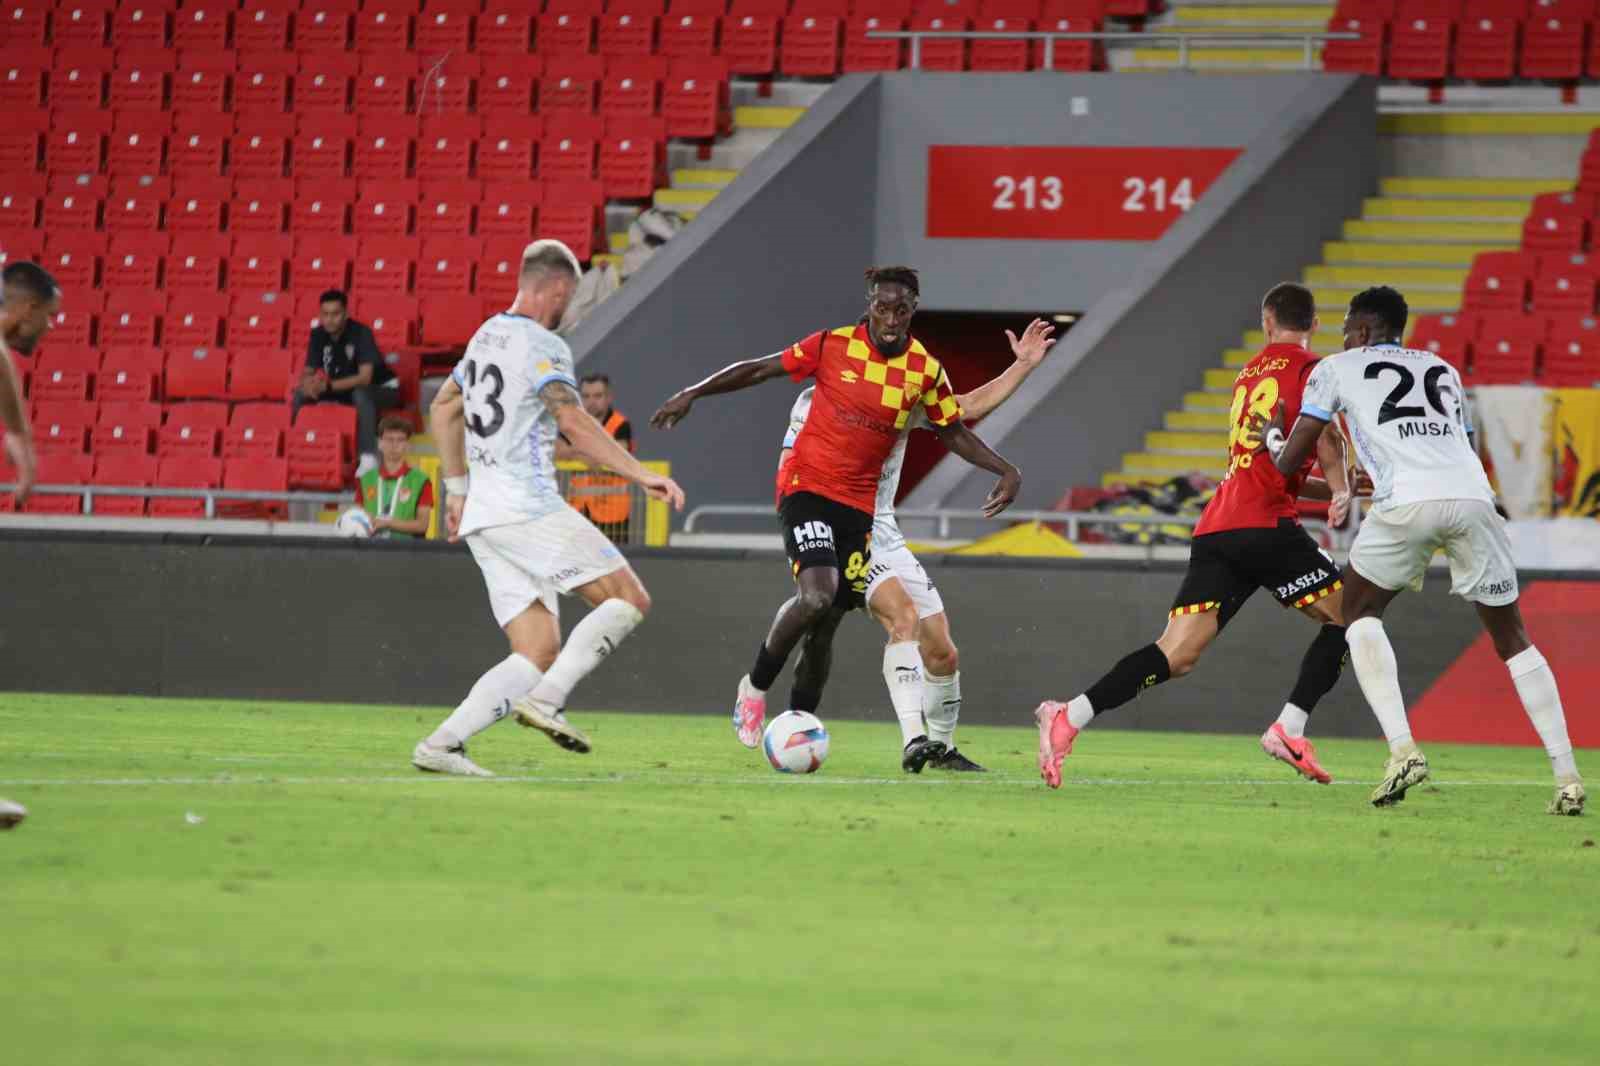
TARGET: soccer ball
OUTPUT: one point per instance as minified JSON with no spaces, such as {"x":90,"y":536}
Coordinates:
{"x":796,"y":743}
{"x":355,"y":522}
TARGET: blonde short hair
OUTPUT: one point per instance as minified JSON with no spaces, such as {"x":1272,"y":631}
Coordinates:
{"x":544,"y":257}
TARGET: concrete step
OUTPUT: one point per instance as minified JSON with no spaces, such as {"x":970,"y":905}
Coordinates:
{"x":1465,"y":188}
{"x":1378,"y":254}
{"x":1332,"y":303}
{"x":1173,"y":465}
{"x":1133,"y":477}
{"x":702,"y":178}
{"x":1406,"y":279}
{"x":1236,"y":358}
{"x":1197,"y":421}
{"x":1411,"y":232}
{"x":1427,"y":210}
{"x":1179,"y":442}
{"x":1220,"y":379}
{"x":766,"y":117}
{"x":684,"y":200}
{"x":1207,"y":402}
{"x":1252,"y":15}
{"x":1219,"y":57}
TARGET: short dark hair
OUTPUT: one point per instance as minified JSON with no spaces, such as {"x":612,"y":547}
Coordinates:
{"x":394,"y":424}
{"x":32,"y":279}
{"x":1384,"y":304}
{"x":1291,"y":304}
{"x":894,"y":275}
{"x":335,"y":296}
{"x":594,"y":379}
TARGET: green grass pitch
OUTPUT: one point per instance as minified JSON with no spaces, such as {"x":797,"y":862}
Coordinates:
{"x":252,"y":883}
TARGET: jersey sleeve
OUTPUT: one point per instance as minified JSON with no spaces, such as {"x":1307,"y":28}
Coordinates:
{"x":1321,"y":399}
{"x":939,"y":403}
{"x":425,"y":497}
{"x":1464,"y":400}
{"x":802,"y":358}
{"x":551,"y":360}
{"x":797,"y":418}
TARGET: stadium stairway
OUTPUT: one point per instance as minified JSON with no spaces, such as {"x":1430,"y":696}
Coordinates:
{"x":1185,"y":17}
{"x":1418,"y":234}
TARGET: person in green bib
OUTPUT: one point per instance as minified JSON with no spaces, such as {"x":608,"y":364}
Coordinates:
{"x":398,"y":498}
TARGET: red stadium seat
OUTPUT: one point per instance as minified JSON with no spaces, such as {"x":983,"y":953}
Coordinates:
{"x":383,"y":266}
{"x":256,"y":328}
{"x":445,"y":207}
{"x":570,"y":148}
{"x":185,"y":472}
{"x":571,"y":213}
{"x":22,"y":76}
{"x":998,"y":56}
{"x":383,"y":208}
{"x":322,"y":86}
{"x":261,"y":208}
{"x":1495,"y":326}
{"x":633,"y":158}
{"x":115,"y":434}
{"x":122,"y":470}
{"x":695,"y":99}
{"x":194,"y":320}
{"x":1449,"y":337}
{"x":1419,"y":49}
{"x":441,"y":31}
{"x":194,"y":268}
{"x":255,"y":474}
{"x":267,"y":374}
{"x":1564,"y":292}
{"x":130,"y":376}
{"x":319,"y":263}
{"x":76,"y":140}
{"x":322,"y":28}
{"x":132,"y":319}
{"x":60,"y":469}
{"x":569,"y":85}
{"x":1504,"y":362}
{"x":505,"y":29}
{"x":72,"y":327}
{"x":140,"y":25}
{"x":82,"y":23}
{"x":506,"y":88}
{"x":448,"y":321}
{"x":261,"y":84}
{"x":71,"y":207}
{"x":78,"y":79}
{"x":202,"y":26}
{"x":134,"y":261}
{"x":332,"y":420}
{"x":197,"y":211}
{"x":383,"y":27}
{"x":811,"y":45}
{"x":627,"y":31}
{"x":135,"y":206}
{"x":445,"y":267}
{"x":255,"y":429}
{"x":1553,"y":233}
{"x":24,"y":22}
{"x":314,"y":461}
{"x":863,"y":54}
{"x":322,"y":147}
{"x":259,"y":148}
{"x":1486,"y":49}
{"x":138,"y":144}
{"x":22,"y":140}
{"x":1552,"y":47}
{"x":1070,"y":55}
{"x":510,"y":210}
{"x":139,"y":82}
{"x":57,"y":435}
{"x":565,"y":34}
{"x":497,"y":274}
{"x":1490,"y":288}
{"x":1572,"y":355}
{"x":941,"y":54}
{"x":258,"y":264}
{"x":444,"y":86}
{"x":383,"y":86}
{"x":384,"y":146}
{"x":321,"y":207}
{"x":391,"y":322}
{"x":198,"y":144}
{"x":19,"y":210}
{"x":201,"y":82}
{"x":686,"y":36}
{"x":750,"y":43}
{"x":197,"y":374}
{"x":635,"y":92}
{"x":508,"y":149}
{"x":444,"y":150}
{"x":61,"y":382}
{"x":262,"y":27}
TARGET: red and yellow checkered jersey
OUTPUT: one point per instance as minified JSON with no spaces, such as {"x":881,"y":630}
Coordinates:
{"x":862,"y":403}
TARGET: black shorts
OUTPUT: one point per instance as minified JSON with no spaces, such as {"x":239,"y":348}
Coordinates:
{"x":818,"y":531}
{"x":1226,"y":568}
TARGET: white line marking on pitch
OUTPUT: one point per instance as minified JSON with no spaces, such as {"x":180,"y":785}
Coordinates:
{"x":626,"y":779}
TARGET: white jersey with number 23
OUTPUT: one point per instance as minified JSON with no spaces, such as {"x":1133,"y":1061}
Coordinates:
{"x":510,"y":434}
{"x":1407,"y":416}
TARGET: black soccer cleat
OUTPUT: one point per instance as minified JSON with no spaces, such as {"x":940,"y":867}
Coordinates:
{"x":918,"y":752}
{"x":952,"y":759}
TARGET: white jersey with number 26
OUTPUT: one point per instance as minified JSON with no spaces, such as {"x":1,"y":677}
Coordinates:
{"x":1407,"y":415}
{"x":885,"y":528}
{"x":510,"y":435}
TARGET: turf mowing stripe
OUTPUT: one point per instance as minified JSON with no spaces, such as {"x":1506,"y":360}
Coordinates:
{"x":624,"y":779}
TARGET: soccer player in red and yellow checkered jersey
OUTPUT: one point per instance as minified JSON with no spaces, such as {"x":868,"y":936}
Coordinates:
{"x":869,"y":378}
{"x":1248,"y":538}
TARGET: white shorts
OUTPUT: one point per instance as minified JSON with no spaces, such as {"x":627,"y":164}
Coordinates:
{"x":1395,"y":545}
{"x":899,"y":562}
{"x":535,"y":562}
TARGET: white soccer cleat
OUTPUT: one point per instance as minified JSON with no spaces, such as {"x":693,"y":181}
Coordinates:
{"x":11,"y":814}
{"x":749,"y":713}
{"x":1399,"y":774}
{"x":446,"y":761}
{"x":1569,"y":799}
{"x":552,"y":723}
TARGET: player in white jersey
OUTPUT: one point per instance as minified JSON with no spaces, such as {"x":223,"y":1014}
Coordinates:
{"x":1406,"y":416}
{"x":498,"y":416}
{"x":893,"y":561}
{"x":29,"y":300}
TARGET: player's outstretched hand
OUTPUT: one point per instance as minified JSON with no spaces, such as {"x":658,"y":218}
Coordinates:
{"x":662,"y":488}
{"x":672,"y":412}
{"x":1036,"y":340}
{"x":452,"y":517}
{"x":1005,"y":492}
{"x":19,"y":449}
{"x":1338,"y":509}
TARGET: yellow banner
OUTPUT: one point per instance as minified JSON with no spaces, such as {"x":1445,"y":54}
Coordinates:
{"x":1577,"y":453}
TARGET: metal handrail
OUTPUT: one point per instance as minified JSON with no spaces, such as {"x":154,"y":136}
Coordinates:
{"x":89,"y":492}
{"x":943,"y":518}
{"x":1307,"y":38}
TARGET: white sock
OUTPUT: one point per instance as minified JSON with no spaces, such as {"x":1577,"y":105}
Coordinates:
{"x":902,"y":672}
{"x":1536,"y":685}
{"x":941,"y":706}
{"x":592,"y":640}
{"x":1373,"y":658}
{"x":1293,"y":720}
{"x":488,"y":702}
{"x":1079,"y":711}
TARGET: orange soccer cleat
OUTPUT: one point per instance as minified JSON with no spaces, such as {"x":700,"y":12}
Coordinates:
{"x":1056,"y":735}
{"x":1298,"y":752}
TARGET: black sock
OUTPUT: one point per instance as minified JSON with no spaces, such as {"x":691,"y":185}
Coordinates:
{"x":1319,"y":670}
{"x":1137,"y":671}
{"x":766,"y":670}
{"x":802,"y":700}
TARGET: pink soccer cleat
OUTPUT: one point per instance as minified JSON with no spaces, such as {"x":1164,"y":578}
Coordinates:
{"x":1298,"y":752}
{"x":1056,"y":735}
{"x":749,"y":713}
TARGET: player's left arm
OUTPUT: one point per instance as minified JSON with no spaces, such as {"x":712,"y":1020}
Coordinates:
{"x":971,"y":447}
{"x":591,"y":441}
{"x":1030,"y":350}
{"x":1301,"y":442}
{"x":447,"y":420}
{"x":730,"y":378}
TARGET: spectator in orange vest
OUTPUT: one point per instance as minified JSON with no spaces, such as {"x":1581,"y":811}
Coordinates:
{"x":604,"y":498}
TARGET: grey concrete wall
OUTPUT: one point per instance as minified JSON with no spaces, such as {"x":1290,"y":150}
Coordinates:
{"x":779,"y":254}
{"x":187,"y":616}
{"x":1153,"y":332}
{"x":1521,"y":156}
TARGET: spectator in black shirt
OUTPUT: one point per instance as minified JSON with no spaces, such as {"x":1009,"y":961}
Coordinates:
{"x":343,"y":365}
